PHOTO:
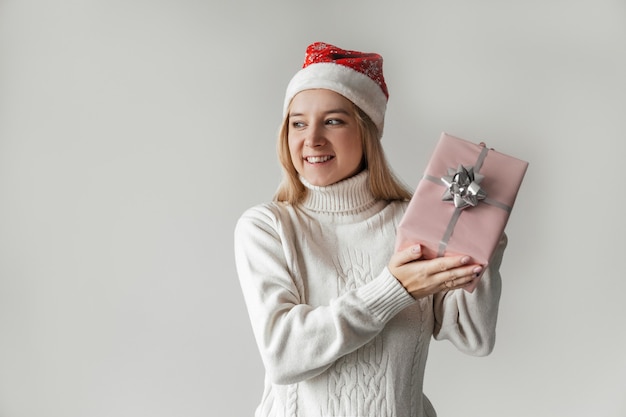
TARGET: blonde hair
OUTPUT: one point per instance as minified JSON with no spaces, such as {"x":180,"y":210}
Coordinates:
{"x":384,"y":185}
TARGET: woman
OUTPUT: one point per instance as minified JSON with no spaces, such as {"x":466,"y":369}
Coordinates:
{"x":342,"y":322}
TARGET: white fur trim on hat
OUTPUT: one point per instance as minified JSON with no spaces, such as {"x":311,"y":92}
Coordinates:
{"x":353,"y":85}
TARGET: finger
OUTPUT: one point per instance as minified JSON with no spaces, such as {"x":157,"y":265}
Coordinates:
{"x":460,"y":272}
{"x":410,"y":254}
{"x":447,"y":285}
{"x":458,"y":277}
{"x":448,"y":262}
{"x":455,"y":284}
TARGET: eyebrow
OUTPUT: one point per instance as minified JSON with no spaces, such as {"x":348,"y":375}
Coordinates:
{"x":341,"y":111}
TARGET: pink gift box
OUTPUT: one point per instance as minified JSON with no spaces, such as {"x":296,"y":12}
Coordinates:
{"x":442,"y":228}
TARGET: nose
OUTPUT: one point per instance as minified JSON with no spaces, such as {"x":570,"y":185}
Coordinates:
{"x":315,"y":136}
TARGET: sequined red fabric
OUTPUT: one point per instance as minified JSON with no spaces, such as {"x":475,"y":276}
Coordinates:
{"x":370,"y":64}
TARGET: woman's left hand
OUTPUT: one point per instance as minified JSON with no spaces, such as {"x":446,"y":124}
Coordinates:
{"x":422,"y":278}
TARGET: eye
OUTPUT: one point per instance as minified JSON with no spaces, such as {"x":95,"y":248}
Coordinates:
{"x":297,"y":125}
{"x":334,"y":122}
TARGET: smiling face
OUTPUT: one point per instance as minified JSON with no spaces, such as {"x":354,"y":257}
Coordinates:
{"x":323,"y":138}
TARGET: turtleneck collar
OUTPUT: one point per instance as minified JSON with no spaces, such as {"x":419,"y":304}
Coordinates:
{"x":349,"y":196}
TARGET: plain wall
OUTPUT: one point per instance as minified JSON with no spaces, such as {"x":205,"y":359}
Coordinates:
{"x":134,"y":133}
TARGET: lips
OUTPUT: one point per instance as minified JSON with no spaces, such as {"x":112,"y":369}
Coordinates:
{"x":318,"y":159}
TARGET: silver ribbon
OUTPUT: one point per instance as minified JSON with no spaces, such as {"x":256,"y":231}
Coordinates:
{"x":463,"y":187}
{"x":466,"y":185}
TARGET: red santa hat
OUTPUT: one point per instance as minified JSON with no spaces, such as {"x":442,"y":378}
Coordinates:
{"x":358,"y":76}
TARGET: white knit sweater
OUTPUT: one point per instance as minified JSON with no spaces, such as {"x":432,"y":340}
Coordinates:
{"x":338,"y":334}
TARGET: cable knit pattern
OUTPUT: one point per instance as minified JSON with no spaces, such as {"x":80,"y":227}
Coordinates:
{"x":419,"y":357}
{"x":337,"y":333}
{"x":292,"y":400}
{"x":355,"y":381}
{"x":352,"y":269}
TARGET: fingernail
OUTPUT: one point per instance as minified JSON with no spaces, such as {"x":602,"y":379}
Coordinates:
{"x":465,"y":259}
{"x":477,"y":270}
{"x":416,"y":249}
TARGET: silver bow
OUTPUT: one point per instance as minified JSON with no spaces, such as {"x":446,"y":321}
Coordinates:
{"x":463,"y":187}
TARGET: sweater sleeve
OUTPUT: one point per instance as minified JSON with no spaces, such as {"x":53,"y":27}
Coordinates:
{"x":468,"y":320}
{"x":298,"y":341}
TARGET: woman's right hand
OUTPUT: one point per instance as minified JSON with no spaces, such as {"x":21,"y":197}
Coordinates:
{"x":422,"y":278}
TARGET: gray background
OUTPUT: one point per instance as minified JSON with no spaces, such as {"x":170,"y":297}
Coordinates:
{"x":134,"y":133}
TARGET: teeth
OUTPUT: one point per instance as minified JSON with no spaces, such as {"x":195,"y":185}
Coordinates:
{"x":317,"y":159}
